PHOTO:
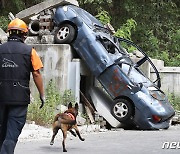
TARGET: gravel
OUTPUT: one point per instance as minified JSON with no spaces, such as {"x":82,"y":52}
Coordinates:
{"x":35,"y":132}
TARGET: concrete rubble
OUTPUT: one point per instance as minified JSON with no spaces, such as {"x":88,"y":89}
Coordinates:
{"x":176,"y":118}
{"x":3,"y":36}
{"x":36,"y":9}
{"x":40,"y":20}
{"x":47,"y":39}
{"x":32,"y":40}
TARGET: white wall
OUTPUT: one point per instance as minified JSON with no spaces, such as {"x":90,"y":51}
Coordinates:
{"x":56,"y":59}
{"x":170,"y":79}
{"x":170,"y":76}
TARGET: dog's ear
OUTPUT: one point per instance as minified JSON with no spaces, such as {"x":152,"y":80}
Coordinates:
{"x":69,"y":105}
{"x":76,"y":106}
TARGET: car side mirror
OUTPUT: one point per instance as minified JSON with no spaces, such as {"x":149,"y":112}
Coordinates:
{"x":136,"y":87}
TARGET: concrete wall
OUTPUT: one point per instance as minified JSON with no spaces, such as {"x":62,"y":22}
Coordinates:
{"x":170,"y":79}
{"x":170,"y":76}
{"x":55,"y":59}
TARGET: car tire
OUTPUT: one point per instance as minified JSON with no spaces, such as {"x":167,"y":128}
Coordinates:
{"x":123,"y":110}
{"x":64,"y":34}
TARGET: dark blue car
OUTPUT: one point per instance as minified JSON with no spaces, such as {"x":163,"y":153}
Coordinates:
{"x":136,"y":99}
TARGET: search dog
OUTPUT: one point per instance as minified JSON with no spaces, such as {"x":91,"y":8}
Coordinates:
{"x":66,"y":122}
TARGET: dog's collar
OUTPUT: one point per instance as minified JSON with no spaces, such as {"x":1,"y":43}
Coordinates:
{"x":71,"y":115}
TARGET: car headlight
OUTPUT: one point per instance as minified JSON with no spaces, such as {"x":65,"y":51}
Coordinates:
{"x":151,"y":102}
{"x":157,"y":94}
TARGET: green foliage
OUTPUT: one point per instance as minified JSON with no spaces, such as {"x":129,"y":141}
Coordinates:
{"x":126,"y":29}
{"x":52,"y":94}
{"x":157,"y":29}
{"x":67,"y":97}
{"x":46,"y":115}
{"x":4,"y":22}
{"x":103,"y":16}
{"x":175,"y":40}
{"x":81,"y":2}
{"x":19,"y":4}
{"x":155,"y":47}
{"x":14,"y":6}
{"x":152,"y":42}
{"x":175,"y":101}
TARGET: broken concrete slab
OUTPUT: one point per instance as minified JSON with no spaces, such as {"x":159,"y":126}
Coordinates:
{"x":47,"y":39}
{"x":176,"y":118}
{"x":2,"y":33}
{"x":34,"y":10}
{"x":32,"y":40}
{"x":3,"y":36}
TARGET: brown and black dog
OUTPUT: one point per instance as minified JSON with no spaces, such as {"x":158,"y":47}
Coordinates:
{"x":66,"y":122}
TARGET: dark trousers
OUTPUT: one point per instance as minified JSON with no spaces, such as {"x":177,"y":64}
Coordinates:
{"x":12,"y":120}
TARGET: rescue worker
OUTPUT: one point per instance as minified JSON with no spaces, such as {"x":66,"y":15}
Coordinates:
{"x":17,"y":61}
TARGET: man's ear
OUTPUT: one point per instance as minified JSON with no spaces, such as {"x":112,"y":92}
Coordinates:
{"x":69,"y":105}
{"x":76,"y":106}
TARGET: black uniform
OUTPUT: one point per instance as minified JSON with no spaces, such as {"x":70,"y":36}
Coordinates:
{"x":15,"y":68}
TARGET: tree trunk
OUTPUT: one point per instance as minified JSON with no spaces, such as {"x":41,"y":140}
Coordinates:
{"x":3,"y":3}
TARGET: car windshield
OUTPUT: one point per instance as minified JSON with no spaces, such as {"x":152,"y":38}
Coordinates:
{"x":135,"y":74}
{"x":121,"y":57}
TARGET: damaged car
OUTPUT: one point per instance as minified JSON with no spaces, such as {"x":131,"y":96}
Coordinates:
{"x":136,"y":99}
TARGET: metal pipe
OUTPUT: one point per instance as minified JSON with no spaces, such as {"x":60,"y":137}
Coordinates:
{"x":34,"y":27}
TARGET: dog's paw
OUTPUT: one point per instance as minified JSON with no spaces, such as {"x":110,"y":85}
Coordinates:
{"x":64,"y":150}
{"x":51,"y":143}
{"x":73,"y":133}
{"x":82,"y":139}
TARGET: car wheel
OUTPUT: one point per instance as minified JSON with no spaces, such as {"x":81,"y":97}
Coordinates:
{"x":123,"y":110}
{"x":64,"y":34}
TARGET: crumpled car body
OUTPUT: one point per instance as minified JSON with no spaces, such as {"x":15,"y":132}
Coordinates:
{"x":137,"y":99}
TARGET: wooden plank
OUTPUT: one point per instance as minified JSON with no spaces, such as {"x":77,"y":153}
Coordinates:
{"x":89,"y":114}
{"x":87,"y":103}
{"x":88,"y":107}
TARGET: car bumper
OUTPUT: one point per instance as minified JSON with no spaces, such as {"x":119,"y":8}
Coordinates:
{"x":144,"y":122}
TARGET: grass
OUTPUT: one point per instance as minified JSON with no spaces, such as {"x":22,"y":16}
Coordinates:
{"x":45,"y":116}
{"x":175,"y":101}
